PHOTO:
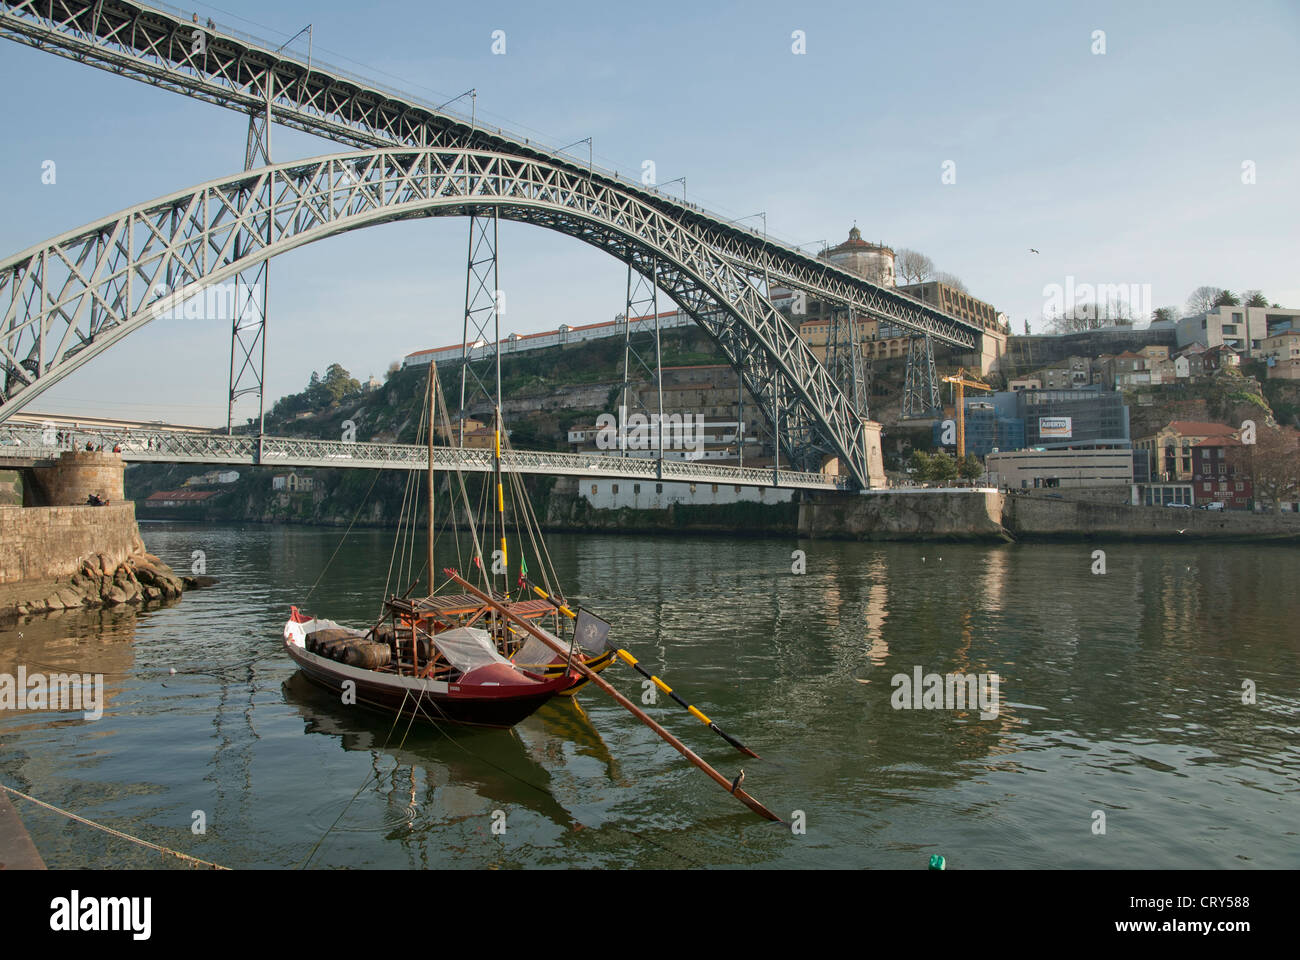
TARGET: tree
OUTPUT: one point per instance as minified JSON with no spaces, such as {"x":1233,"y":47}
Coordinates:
{"x":970,"y":468}
{"x":1202,"y":299}
{"x":943,"y":468}
{"x":1083,"y":317}
{"x":952,"y":280}
{"x":338,"y":383}
{"x":1273,"y":464}
{"x":1165,"y":314}
{"x":1227,"y":298}
{"x":920,"y":464}
{"x":1256,"y":298}
{"x":912,"y":266}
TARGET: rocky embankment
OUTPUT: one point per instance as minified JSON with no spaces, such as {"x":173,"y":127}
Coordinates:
{"x":141,"y":578}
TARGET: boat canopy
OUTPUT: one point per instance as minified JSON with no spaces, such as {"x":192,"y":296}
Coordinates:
{"x":468,"y":647}
{"x":535,"y":653}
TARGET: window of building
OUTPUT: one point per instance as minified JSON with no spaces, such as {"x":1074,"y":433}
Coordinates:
{"x":636,"y":488}
{"x":715,"y":488}
{"x":593,"y":489}
{"x":659,"y":488}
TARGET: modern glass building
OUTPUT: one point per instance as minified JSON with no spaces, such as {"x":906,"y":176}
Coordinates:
{"x":987,"y":430}
{"x":1087,"y":417}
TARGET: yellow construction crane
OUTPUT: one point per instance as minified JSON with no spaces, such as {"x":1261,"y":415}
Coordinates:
{"x":962,"y":381}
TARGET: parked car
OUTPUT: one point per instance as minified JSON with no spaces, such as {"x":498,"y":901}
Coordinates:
{"x":1215,"y":505}
{"x":1179,"y":506}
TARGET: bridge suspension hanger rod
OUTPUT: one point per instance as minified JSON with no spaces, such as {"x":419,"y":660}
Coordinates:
{"x":731,"y":786}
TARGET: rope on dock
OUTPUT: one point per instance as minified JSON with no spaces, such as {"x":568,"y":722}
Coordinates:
{"x":193,"y":861}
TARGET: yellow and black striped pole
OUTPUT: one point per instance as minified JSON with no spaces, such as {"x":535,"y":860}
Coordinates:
{"x":501,"y":502}
{"x":632,"y":662}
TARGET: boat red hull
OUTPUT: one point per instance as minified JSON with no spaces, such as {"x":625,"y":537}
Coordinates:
{"x":434,"y":701}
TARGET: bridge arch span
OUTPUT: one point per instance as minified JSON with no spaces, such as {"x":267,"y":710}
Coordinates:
{"x":65,"y":301}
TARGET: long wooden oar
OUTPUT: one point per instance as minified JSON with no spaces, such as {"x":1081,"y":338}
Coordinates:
{"x":635,"y":664}
{"x":731,"y":786}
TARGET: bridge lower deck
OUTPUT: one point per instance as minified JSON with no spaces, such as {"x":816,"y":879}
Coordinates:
{"x":26,"y":446}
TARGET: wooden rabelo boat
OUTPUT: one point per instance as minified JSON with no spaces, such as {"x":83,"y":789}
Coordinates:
{"x":480,"y":653}
{"x":450,"y":656}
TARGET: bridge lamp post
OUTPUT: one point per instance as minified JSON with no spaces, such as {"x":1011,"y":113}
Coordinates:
{"x":307,"y":30}
{"x":587,"y":141}
{"x":681,"y":180}
{"x":472,"y":93}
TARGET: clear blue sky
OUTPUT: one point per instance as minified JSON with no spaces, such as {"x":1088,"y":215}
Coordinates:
{"x":1119,"y":168}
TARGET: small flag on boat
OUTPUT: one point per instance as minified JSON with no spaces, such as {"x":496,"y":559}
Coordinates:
{"x":523,"y":567}
{"x":592,"y":632}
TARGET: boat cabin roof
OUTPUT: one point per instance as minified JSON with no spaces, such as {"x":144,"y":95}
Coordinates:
{"x":463,"y":604}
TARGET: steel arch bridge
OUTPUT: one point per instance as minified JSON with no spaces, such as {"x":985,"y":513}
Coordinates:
{"x":65,"y":301}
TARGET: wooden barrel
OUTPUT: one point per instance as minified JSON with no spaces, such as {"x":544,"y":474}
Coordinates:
{"x":367,"y":654}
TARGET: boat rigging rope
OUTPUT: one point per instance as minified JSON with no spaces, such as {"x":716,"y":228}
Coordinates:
{"x":192,"y":861}
{"x":393,"y":558}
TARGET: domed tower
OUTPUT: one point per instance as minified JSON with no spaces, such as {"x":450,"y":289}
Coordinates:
{"x":868,"y":260}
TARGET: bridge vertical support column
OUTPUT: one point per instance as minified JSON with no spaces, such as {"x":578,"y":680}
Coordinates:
{"x":921,"y":381}
{"x":740,"y":413}
{"x":481,"y":379}
{"x":643,"y":295}
{"x":248,"y":326}
{"x":844,"y":358}
{"x":484,"y":303}
{"x":776,"y":430}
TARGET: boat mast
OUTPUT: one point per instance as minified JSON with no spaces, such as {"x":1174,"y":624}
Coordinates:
{"x":501,"y":505}
{"x":433,"y":372}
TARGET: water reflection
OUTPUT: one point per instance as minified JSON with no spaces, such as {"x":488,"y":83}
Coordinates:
{"x":1121,"y":691}
{"x":461,"y":772}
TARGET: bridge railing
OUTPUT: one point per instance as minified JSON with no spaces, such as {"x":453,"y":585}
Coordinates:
{"x":162,"y":446}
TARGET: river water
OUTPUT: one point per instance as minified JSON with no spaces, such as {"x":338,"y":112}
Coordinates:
{"x":1120,"y":739}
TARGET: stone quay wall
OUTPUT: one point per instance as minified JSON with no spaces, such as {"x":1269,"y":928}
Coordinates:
{"x":52,"y":543}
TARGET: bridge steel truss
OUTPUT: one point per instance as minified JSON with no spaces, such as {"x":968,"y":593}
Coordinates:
{"x":480,"y":379}
{"x":121,"y":262}
{"x":246,"y":75}
{"x":25,"y":445}
{"x":921,"y":399}
{"x":248,"y":319}
{"x":642,"y":300}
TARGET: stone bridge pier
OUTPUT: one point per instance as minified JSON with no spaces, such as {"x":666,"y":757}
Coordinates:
{"x":73,"y":478}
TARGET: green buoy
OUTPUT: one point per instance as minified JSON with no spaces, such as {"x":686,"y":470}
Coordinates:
{"x":937,"y":862}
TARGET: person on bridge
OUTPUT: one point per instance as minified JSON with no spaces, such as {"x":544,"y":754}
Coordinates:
{"x":117,"y":448}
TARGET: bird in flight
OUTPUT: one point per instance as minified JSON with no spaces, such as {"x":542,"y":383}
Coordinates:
{"x":1032,"y":250}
